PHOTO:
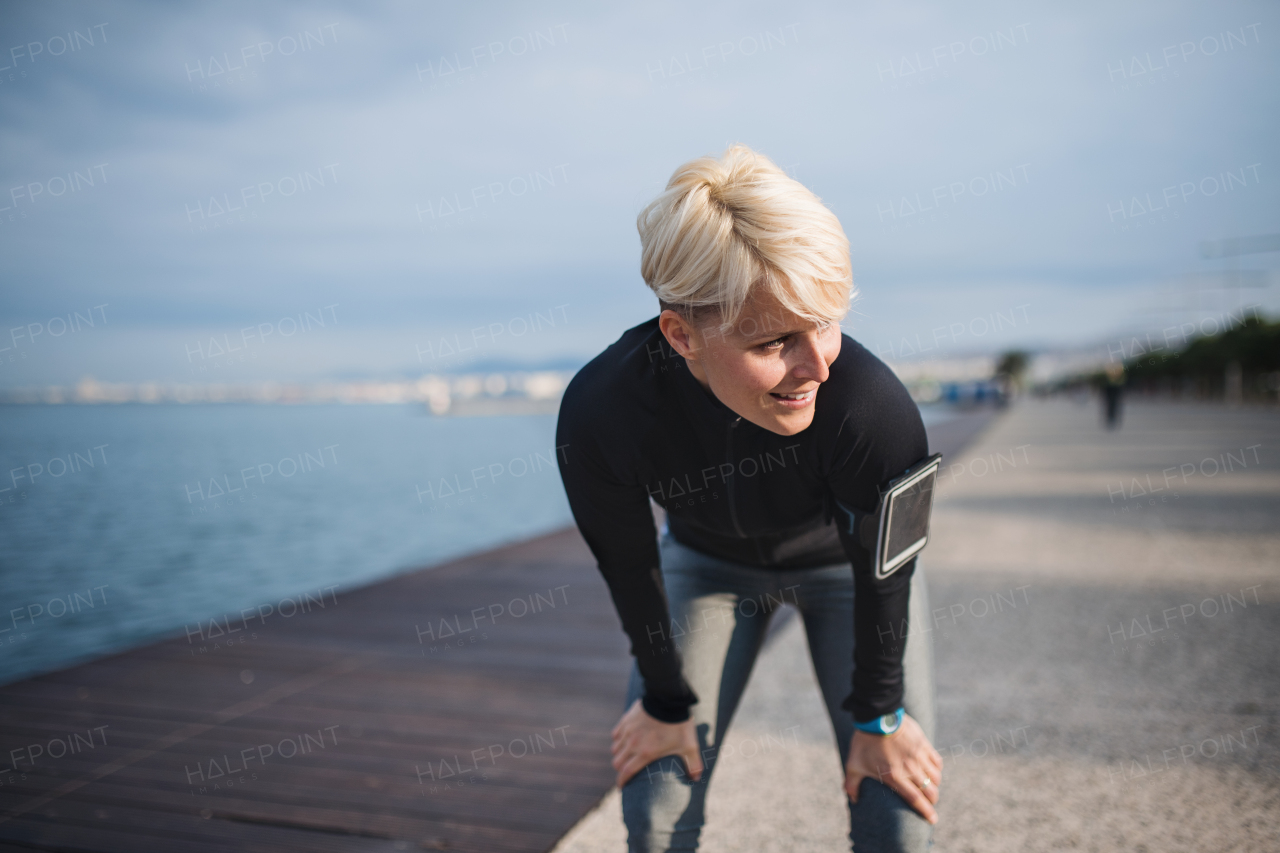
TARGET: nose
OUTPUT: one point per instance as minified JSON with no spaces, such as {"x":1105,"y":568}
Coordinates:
{"x":809,"y":362}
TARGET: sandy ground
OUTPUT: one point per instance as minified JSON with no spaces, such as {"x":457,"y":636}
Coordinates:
{"x":1106,"y":620}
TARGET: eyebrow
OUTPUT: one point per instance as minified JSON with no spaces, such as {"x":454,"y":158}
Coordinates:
{"x":769,"y":335}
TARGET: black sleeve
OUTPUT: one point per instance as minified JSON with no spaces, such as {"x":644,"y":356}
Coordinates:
{"x":617,"y":524}
{"x":890,"y":439}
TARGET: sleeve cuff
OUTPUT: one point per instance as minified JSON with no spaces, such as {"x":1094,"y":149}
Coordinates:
{"x":867,"y":712}
{"x":665,"y":710}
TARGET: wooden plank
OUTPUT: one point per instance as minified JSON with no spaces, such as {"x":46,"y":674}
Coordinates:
{"x":357,"y":665}
{"x":202,"y":828}
{"x":366,"y":823}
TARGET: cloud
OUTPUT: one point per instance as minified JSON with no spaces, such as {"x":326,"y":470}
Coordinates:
{"x":418,"y":163}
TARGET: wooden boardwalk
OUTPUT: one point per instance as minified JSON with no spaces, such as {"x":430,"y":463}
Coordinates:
{"x":465,"y":707}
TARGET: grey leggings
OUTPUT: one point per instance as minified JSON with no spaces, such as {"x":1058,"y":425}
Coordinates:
{"x":720,"y":611}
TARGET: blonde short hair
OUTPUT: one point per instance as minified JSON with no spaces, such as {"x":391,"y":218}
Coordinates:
{"x":723,"y":227}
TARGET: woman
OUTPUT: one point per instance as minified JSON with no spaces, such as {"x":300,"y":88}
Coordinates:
{"x":762,"y":431}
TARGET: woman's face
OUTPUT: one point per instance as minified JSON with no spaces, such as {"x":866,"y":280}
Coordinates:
{"x":767,"y":368}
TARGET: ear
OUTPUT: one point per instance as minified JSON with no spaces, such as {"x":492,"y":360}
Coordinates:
{"x":680,"y":334}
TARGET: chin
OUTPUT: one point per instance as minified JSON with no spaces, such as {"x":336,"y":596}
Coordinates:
{"x":792,"y":422}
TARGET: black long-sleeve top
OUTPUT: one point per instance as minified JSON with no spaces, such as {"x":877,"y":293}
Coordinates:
{"x":635,"y":424}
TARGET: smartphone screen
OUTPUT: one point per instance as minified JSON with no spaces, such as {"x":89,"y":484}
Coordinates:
{"x":905,"y":527}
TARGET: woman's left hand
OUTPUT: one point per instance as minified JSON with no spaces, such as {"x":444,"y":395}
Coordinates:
{"x":904,"y":760}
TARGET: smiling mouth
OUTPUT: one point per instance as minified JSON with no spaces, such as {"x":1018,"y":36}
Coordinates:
{"x":794,"y":398}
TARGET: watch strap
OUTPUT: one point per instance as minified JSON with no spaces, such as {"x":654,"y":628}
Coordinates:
{"x":884,"y":725}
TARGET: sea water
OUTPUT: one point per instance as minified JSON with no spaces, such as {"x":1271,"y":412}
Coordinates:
{"x":122,"y":524}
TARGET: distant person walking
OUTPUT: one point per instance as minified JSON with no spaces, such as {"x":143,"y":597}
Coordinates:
{"x":767,"y":435}
{"x":1112,"y":394}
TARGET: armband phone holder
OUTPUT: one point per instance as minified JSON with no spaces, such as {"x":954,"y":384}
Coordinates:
{"x":898,"y":529}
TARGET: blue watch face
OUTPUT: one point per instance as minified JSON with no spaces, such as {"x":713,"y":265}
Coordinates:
{"x":889,"y":723}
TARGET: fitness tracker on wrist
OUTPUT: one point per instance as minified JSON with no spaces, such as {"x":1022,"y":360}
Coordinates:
{"x":886,"y":725}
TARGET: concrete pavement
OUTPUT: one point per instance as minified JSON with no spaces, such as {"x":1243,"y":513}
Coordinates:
{"x":1106,"y":620}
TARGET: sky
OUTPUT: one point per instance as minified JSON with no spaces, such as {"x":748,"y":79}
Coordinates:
{"x":240,"y":192}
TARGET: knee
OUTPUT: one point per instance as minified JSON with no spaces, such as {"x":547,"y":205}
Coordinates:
{"x":662,"y":807}
{"x":882,"y":822}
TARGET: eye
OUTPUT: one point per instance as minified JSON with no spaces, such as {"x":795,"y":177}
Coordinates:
{"x":775,"y":345}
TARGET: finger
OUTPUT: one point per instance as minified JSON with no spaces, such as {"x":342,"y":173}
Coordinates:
{"x":914,"y":797}
{"x":622,"y":759}
{"x":624,"y":772}
{"x":622,"y":722}
{"x":918,"y":802}
{"x":925,"y":780}
{"x":931,"y":763}
{"x":629,"y":769}
{"x":921,"y":775}
{"x":628,"y":735}
{"x":853,"y":781}
{"x":927,"y":757}
{"x":930,"y":790}
{"x":692,"y":763}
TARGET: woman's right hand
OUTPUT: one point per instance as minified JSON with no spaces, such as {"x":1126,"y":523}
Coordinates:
{"x":639,"y":740}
